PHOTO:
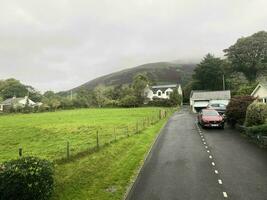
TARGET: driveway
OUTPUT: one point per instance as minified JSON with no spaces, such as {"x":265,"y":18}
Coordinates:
{"x":187,"y":163}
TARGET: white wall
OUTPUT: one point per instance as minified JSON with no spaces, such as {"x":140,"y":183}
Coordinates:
{"x":149,"y":93}
{"x":261,"y":93}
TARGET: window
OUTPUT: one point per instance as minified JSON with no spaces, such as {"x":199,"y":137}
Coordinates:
{"x":159,"y":93}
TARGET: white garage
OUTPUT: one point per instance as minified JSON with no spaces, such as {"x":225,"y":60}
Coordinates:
{"x":201,"y":99}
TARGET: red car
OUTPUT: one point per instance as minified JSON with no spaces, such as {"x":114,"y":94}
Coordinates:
{"x":210,"y":118}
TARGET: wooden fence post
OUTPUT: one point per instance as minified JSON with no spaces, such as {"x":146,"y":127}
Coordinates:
{"x":68,"y":150}
{"x":20,"y":152}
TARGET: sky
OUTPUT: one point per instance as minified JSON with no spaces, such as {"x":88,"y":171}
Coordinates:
{"x":60,"y":44}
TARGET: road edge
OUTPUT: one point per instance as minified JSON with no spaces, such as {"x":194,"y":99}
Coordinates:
{"x":138,"y":172}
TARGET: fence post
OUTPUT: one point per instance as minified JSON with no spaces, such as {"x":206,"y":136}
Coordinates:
{"x":20,"y":152}
{"x":68,"y":150}
{"x":136,"y":127}
{"x":97,"y":140}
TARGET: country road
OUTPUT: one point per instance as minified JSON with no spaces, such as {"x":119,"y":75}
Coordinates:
{"x":188,"y":162}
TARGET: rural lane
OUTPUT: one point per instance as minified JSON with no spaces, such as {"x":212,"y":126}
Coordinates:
{"x":187,"y":163}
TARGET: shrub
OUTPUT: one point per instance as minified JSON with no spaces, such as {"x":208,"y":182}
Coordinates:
{"x":257,"y":130}
{"x":236,"y":109}
{"x":256,"y":114}
{"x":26,"y":178}
{"x":160,"y":102}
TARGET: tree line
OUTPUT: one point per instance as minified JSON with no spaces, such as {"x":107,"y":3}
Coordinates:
{"x":102,"y":96}
{"x":245,"y":63}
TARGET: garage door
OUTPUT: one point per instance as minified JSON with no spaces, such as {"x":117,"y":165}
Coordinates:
{"x":199,"y":105}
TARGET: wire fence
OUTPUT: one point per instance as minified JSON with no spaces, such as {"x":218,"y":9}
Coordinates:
{"x":101,"y":137}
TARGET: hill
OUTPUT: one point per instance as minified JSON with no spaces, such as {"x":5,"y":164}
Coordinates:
{"x":158,"y":73}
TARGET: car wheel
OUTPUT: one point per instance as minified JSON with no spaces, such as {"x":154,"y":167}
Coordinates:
{"x":222,"y":126}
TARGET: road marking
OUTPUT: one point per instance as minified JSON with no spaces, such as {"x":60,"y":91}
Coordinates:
{"x":210,"y":157}
{"x":213,"y":163}
{"x":216,"y":172}
{"x":204,"y":142}
{"x":206,"y":147}
{"x":225,"y":195}
{"x":208,"y":151}
{"x":203,"y":139}
{"x":202,"y":136}
{"x":220,"y":181}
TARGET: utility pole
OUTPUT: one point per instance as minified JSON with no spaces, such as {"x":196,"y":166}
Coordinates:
{"x":223,"y":83}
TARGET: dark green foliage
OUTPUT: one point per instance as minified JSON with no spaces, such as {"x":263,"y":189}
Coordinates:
{"x":257,"y":130}
{"x":249,"y":55}
{"x":256,"y":114}
{"x":27,"y":178}
{"x":129,"y":101}
{"x":208,"y":75}
{"x":236,"y":109}
{"x":139,"y":83}
{"x":12,"y":87}
{"x":160,"y":102}
{"x":175,"y":98}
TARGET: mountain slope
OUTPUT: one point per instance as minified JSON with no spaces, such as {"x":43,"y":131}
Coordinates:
{"x":158,"y":73}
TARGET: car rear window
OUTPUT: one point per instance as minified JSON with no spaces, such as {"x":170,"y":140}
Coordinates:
{"x":210,"y":112}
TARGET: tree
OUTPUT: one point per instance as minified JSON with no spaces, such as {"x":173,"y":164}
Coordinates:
{"x":34,"y":95}
{"x":140,"y":81}
{"x":175,"y":98}
{"x":129,"y":101}
{"x":12,"y":87}
{"x":249,"y":55}
{"x":208,"y":75}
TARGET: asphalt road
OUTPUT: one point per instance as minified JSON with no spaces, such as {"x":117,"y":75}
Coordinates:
{"x":187,"y":163}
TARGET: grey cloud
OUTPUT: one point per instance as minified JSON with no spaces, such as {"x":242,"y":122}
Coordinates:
{"x":59,"y":44}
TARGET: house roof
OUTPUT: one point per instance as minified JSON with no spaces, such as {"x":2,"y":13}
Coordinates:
{"x":210,"y":95}
{"x":261,"y":84}
{"x":11,"y":101}
{"x":163,"y":88}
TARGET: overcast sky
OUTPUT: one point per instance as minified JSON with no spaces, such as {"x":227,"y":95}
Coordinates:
{"x":60,"y":44}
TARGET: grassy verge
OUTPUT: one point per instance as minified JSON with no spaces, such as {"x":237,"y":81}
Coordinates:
{"x":106,"y":174}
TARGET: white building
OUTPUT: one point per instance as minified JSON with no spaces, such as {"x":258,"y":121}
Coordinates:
{"x":260,"y":92}
{"x":162,"y":91}
{"x":16,"y":102}
{"x":201,"y":99}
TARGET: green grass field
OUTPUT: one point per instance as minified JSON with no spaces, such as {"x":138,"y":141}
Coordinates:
{"x":46,"y":134}
{"x":101,"y":175}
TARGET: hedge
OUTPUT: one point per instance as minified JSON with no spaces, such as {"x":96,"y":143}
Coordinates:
{"x":256,"y":114}
{"x":257,"y":130}
{"x":236,"y":109}
{"x":27,"y":178}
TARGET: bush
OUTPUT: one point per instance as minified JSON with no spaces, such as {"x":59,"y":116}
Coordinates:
{"x":128,"y":101}
{"x":257,"y":130}
{"x":256,"y":114}
{"x":237,"y":108}
{"x":160,"y":102}
{"x":27,"y":178}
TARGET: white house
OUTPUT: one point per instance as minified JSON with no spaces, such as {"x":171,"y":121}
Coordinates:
{"x":201,"y":99}
{"x":16,"y":102}
{"x":162,"y":91}
{"x":260,"y":92}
